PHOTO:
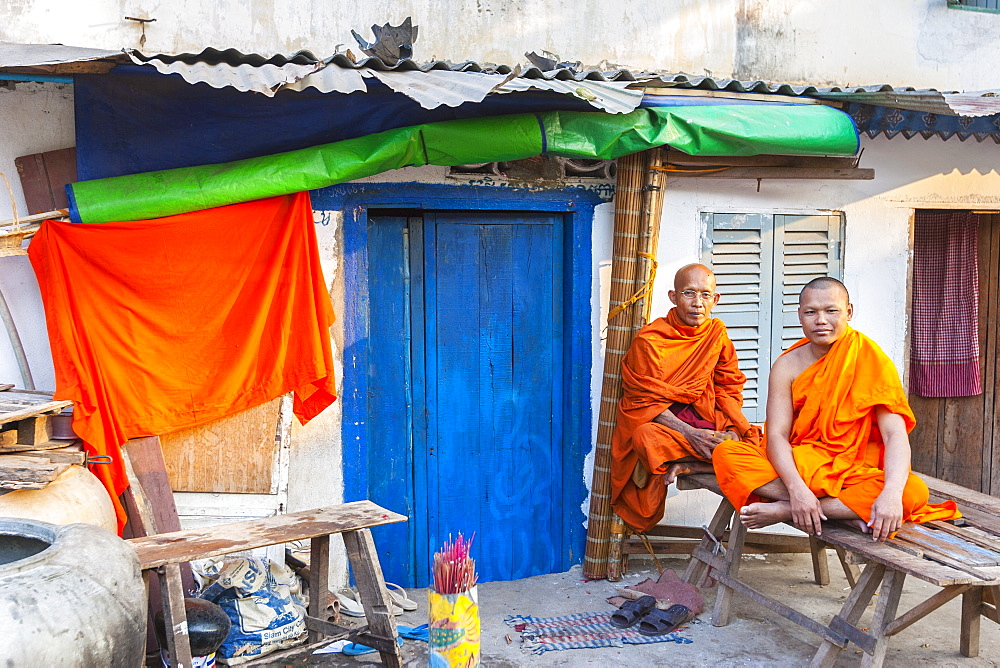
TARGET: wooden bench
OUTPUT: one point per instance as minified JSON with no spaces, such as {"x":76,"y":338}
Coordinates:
{"x":163,"y":553}
{"x":962,"y":560}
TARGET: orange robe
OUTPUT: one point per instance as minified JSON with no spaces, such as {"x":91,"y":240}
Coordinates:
{"x":670,"y":363}
{"x":160,"y":325}
{"x":835,"y":439}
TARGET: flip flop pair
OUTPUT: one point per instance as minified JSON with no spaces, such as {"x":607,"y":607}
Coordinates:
{"x":652,"y":621}
{"x":351,"y":606}
{"x":409,"y":632}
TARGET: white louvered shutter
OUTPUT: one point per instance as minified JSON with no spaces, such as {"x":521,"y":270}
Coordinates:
{"x":738,"y":248}
{"x":806,"y":247}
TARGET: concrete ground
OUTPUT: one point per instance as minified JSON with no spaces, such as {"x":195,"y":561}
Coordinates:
{"x":755,"y":637}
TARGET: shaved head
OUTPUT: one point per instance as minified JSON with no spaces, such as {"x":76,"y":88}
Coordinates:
{"x":694,"y":294}
{"x":826,"y":283}
{"x":691,"y":273}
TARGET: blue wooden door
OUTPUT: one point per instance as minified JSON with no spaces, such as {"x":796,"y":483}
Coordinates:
{"x":466,"y":389}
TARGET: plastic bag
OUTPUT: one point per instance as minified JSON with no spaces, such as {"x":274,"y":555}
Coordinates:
{"x":258,"y":595}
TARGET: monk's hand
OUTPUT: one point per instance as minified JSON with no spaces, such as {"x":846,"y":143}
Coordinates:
{"x":703,"y":441}
{"x":807,"y":513}
{"x":887,"y":516}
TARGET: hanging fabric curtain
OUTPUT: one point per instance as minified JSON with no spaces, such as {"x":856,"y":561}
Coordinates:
{"x":729,"y":130}
{"x":944,"y":335}
{"x":166,"y":324}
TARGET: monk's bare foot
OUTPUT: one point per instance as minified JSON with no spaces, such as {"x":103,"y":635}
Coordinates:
{"x":760,"y":515}
{"x":861,"y":524}
{"x":685,"y":468}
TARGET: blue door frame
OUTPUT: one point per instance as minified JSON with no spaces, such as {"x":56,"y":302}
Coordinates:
{"x":356,"y":201}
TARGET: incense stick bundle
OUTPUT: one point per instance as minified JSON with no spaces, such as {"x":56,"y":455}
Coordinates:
{"x":454,"y":569}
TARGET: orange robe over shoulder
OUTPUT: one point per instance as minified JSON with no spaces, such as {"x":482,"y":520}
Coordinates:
{"x":835,"y":439}
{"x":670,"y":363}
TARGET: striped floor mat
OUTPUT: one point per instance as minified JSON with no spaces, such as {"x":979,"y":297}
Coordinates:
{"x":580,"y":631}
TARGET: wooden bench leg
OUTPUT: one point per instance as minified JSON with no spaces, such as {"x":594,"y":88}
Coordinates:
{"x":851,"y":611}
{"x":821,"y":567}
{"x":734,"y":552}
{"x":174,"y":615}
{"x":373,"y":593}
{"x":972,"y":602}
{"x":319,"y":581}
{"x":851,"y":571}
{"x":885,"y":612}
{"x":695,"y":570}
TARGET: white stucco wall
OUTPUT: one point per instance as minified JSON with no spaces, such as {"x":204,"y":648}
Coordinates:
{"x":922,"y":43}
{"x":33,"y":118}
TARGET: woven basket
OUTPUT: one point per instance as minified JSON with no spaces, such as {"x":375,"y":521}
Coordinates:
{"x":12,"y":238}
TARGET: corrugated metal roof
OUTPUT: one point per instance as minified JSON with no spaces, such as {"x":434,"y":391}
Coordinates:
{"x":431,"y":84}
{"x":451,"y":84}
{"x":38,"y":55}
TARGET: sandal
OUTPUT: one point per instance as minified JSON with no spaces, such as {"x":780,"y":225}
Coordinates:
{"x":661,"y":622}
{"x":399,"y":597}
{"x":414,"y":633}
{"x":357,"y":649}
{"x":351,"y":606}
{"x":631,"y":611}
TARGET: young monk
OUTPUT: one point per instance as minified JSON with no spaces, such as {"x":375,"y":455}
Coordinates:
{"x":836,"y":433}
{"x":682,"y":394}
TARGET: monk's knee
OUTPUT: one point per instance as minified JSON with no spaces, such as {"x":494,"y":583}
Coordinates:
{"x":915,"y":494}
{"x":735,"y":450}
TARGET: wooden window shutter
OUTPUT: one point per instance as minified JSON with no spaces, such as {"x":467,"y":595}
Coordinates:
{"x":806,"y":247}
{"x":739,"y":250}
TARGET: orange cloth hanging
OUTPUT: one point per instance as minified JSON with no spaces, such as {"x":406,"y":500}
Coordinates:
{"x":835,"y":439}
{"x":160,"y":325}
{"x":670,"y":363}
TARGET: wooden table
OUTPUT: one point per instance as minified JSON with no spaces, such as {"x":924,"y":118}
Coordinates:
{"x":164,"y":552}
{"x":911,"y":552}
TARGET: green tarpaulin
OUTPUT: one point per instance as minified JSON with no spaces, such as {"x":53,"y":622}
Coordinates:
{"x":730,"y":130}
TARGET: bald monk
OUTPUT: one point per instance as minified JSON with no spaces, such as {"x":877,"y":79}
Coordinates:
{"x":835,"y":439}
{"x":682,"y":394}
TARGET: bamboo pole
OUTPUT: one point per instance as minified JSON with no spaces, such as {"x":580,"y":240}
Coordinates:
{"x":638,"y":203}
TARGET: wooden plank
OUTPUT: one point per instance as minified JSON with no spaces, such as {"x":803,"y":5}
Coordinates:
{"x":972,"y":603}
{"x":970,"y":534}
{"x":925,"y":439}
{"x":374,"y":595}
{"x":683,"y":159}
{"x":18,"y":469}
{"x":174,"y":615}
{"x":233,"y":455}
{"x":949,"y":545}
{"x":923,"y":609}
{"x":937,"y":574}
{"x":963,"y":496}
{"x":8,"y":438}
{"x":850,"y":613}
{"x":34,"y":430}
{"x":885,"y":612}
{"x":72,"y":454}
{"x":987,"y":523}
{"x":179,"y":546}
{"x":20,"y":448}
{"x":633,"y":546}
{"x":319,"y":580}
{"x":670,"y":90}
{"x":719,"y":565}
{"x":44,"y":177}
{"x":989,"y":310}
{"x":960,"y":457}
{"x":852,"y":174}
{"x":759,"y":538}
{"x":20,"y":405}
{"x":821,"y":566}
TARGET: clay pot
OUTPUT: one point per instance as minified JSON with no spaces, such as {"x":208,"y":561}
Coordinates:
{"x":69,"y":596}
